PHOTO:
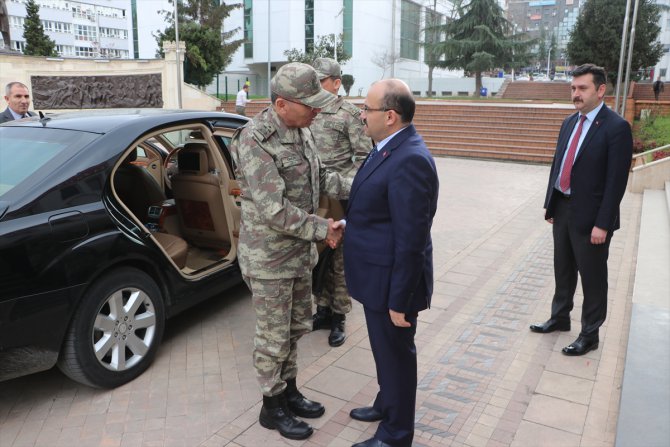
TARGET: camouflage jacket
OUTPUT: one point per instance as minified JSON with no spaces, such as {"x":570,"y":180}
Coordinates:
{"x":280,"y":176}
{"x":338,"y":132}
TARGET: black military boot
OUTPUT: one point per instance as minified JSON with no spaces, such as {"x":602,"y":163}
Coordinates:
{"x":322,"y":318}
{"x":299,"y":404}
{"x":275,"y":415}
{"x":337,"y":335}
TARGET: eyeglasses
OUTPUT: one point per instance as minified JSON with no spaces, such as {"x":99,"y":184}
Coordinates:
{"x":367,"y":109}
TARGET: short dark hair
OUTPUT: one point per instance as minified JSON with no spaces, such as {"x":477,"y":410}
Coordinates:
{"x":599,"y":73}
{"x":397,"y":97}
{"x":273,"y":97}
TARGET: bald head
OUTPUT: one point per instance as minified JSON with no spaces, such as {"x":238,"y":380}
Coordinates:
{"x":397,"y":96}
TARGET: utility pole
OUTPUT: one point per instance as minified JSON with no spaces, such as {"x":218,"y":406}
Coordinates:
{"x":624,"y":38}
{"x":630,"y":57}
{"x":176,"y":37}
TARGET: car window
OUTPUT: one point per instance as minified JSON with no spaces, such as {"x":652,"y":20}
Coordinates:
{"x":25,"y":150}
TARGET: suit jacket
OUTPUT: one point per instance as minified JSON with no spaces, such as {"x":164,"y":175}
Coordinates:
{"x":599,"y":172}
{"x":7,"y":116}
{"x":388,"y":253}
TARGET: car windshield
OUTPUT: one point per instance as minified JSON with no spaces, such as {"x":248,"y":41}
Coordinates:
{"x":24,"y":150}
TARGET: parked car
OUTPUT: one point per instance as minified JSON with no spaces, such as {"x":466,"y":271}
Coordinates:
{"x":110,"y":223}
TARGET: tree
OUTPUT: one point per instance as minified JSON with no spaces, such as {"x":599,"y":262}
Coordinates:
{"x":596,"y":37}
{"x":347,"y":82}
{"x":479,"y":40}
{"x":323,"y":47}
{"x":200,"y":27}
{"x":384,"y":59}
{"x":37,"y":43}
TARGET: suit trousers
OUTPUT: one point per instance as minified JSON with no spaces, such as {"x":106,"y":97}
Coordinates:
{"x":394,"y":352}
{"x":574,"y":253}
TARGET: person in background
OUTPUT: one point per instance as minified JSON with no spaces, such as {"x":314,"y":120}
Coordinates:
{"x":18,"y":101}
{"x":586,"y":184}
{"x":388,"y":254}
{"x":242,"y":100}
{"x":342,"y":146}
{"x":658,"y":88}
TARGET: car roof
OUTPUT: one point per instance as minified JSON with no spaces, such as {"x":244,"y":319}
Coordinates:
{"x":106,"y":120}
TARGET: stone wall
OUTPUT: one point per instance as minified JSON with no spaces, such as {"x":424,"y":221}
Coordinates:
{"x":32,"y":71}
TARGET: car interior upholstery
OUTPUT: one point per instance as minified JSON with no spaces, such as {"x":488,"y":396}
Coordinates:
{"x":197,"y":189}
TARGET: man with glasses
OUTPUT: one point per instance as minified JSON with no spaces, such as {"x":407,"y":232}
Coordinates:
{"x":342,"y":146}
{"x":388,"y":259}
{"x":280,"y":178}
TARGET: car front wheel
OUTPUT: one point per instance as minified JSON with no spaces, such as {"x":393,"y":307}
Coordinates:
{"x":115,"y":333}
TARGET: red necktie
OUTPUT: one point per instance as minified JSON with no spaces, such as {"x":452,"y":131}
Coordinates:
{"x":570,"y":158}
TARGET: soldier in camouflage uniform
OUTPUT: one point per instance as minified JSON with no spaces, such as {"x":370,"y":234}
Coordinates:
{"x":342,"y":146}
{"x":280,"y":178}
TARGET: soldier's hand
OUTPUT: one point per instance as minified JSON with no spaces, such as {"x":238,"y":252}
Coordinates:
{"x":335,"y":233}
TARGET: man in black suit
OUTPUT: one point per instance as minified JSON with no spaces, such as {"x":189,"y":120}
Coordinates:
{"x":587,"y":182}
{"x":18,"y":101}
{"x":388,"y":254}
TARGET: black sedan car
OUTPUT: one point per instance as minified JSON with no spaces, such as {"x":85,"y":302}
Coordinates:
{"x":110,"y":223}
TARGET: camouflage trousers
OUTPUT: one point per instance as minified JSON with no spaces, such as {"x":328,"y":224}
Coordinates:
{"x":334,"y":293}
{"x":283,"y":314}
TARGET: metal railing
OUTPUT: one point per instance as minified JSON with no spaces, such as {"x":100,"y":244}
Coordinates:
{"x":639,"y":160}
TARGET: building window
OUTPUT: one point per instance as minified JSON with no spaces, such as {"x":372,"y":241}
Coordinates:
{"x":309,"y":26}
{"x":114,"y":33}
{"x":16,"y":22}
{"x":85,"y":32}
{"x":84,"y":52}
{"x":410,"y":29}
{"x":348,"y":28}
{"x":65,"y":50}
{"x":248,"y":29}
{"x":18,"y":45}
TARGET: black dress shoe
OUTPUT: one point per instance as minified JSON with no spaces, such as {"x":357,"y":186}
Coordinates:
{"x":366,"y":414}
{"x":372,"y":442}
{"x":550,"y":325}
{"x":581,"y":346}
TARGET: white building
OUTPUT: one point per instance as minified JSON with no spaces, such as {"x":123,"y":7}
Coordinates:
{"x":662,"y":68}
{"x":94,"y":28}
{"x":374,"y":31}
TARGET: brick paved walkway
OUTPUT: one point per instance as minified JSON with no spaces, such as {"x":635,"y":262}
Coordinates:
{"x":484,"y":379}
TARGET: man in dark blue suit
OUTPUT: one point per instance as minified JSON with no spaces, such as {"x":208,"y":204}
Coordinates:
{"x":388,"y":254}
{"x":587,"y":182}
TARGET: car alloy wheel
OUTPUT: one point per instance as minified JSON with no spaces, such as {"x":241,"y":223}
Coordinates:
{"x":116,"y":330}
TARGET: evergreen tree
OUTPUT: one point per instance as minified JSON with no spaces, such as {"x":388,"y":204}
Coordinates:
{"x":347,"y":83}
{"x":37,"y":43}
{"x":479,"y":40}
{"x":596,"y":37}
{"x":201,"y":28}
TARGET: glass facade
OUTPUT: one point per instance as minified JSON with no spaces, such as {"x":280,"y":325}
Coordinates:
{"x":309,"y":26}
{"x":136,"y":38}
{"x":248,"y":29}
{"x":410,"y":30}
{"x":348,"y":27}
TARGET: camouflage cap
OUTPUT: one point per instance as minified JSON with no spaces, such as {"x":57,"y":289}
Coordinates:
{"x":326,"y":67}
{"x":299,"y":82}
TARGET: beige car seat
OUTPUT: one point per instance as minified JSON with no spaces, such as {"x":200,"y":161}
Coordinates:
{"x":197,"y":191}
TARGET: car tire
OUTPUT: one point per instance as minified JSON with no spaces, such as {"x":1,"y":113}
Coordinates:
{"x":116,"y":330}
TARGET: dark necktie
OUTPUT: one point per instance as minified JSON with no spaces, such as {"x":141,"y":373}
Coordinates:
{"x":570,"y":158}
{"x":372,"y":155}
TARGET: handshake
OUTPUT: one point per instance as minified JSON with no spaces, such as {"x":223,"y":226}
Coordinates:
{"x":335,"y":232}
